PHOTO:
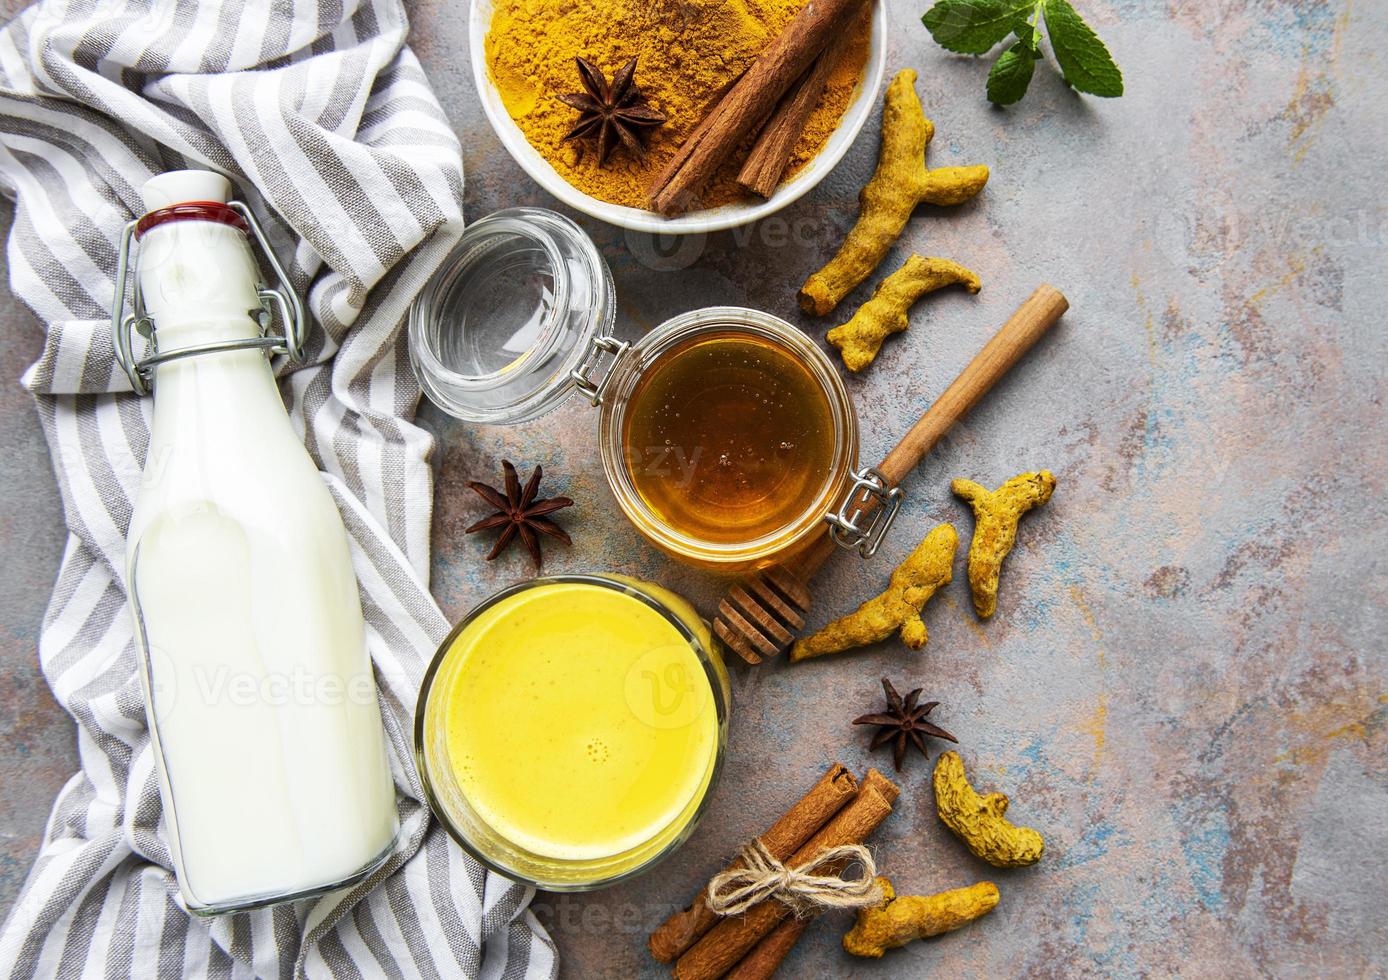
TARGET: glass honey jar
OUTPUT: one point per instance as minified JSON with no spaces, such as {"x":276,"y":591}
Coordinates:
{"x":726,"y":435}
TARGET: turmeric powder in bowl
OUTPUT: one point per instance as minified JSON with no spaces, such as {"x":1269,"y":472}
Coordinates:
{"x":688,"y":51}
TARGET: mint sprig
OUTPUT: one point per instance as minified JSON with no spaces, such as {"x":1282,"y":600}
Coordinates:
{"x":1084,"y":61}
{"x":1011,"y":74}
{"x":977,"y":26}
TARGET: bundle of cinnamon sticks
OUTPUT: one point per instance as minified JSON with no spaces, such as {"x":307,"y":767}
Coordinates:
{"x":702,"y":946}
{"x":773,"y":98}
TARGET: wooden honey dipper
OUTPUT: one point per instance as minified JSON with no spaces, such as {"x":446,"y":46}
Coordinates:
{"x":760,"y":616}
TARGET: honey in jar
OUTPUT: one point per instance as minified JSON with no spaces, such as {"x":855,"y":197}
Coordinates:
{"x":726,"y":435}
{"x":729,"y":436}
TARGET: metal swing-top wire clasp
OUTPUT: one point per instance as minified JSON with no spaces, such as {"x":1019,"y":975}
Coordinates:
{"x":283,"y":299}
{"x":581,"y":375}
{"x":873,"y":496}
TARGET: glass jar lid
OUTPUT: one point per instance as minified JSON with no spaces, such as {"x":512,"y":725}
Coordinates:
{"x":499,"y":331}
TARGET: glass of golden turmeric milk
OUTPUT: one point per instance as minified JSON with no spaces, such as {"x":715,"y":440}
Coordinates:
{"x":570,"y":729}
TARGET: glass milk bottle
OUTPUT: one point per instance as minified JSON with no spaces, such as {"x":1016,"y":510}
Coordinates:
{"x":262,"y":708}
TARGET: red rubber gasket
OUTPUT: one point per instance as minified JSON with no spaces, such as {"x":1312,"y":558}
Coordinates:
{"x":213,"y":211}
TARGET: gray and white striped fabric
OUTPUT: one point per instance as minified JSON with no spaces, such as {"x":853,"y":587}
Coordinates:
{"x":328,"y":128}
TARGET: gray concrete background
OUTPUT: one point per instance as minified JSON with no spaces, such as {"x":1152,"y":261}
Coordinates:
{"x":1184,"y":688}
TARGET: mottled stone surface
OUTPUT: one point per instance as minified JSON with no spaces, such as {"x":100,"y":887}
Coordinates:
{"x":1184,"y":687}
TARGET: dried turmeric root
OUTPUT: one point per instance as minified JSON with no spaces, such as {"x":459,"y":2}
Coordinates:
{"x":901,"y":919}
{"x":996,"y":514}
{"x":978,"y":820}
{"x":861,"y":338}
{"x":915,"y":580}
{"x":900,"y":183}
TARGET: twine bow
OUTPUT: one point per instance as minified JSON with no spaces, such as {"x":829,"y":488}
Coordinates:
{"x":763,"y":876}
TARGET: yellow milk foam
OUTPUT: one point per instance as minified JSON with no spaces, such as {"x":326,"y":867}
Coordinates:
{"x":580,"y":721}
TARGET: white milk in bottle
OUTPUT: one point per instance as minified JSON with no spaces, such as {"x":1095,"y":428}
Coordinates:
{"x":267,"y":733}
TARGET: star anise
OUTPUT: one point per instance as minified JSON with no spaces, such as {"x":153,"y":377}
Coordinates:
{"x":616,"y":113}
{"x":903,"y":721}
{"x":520,"y":513}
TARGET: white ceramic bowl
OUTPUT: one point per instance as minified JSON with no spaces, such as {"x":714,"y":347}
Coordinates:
{"x":864,"y":104}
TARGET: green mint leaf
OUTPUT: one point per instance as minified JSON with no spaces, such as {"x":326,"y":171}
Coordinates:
{"x":1011,"y":74}
{"x":1029,"y":36}
{"x":974,"y":26}
{"x":1084,"y":61}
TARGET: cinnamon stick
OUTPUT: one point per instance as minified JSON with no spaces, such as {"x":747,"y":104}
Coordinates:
{"x":762,"y":170}
{"x":733,"y":938}
{"x":766,"y":956}
{"x":889,"y":790}
{"x":835,"y":788}
{"x":749,"y":102}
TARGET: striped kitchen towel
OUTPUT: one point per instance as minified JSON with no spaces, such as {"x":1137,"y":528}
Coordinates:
{"x":326,"y":124}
